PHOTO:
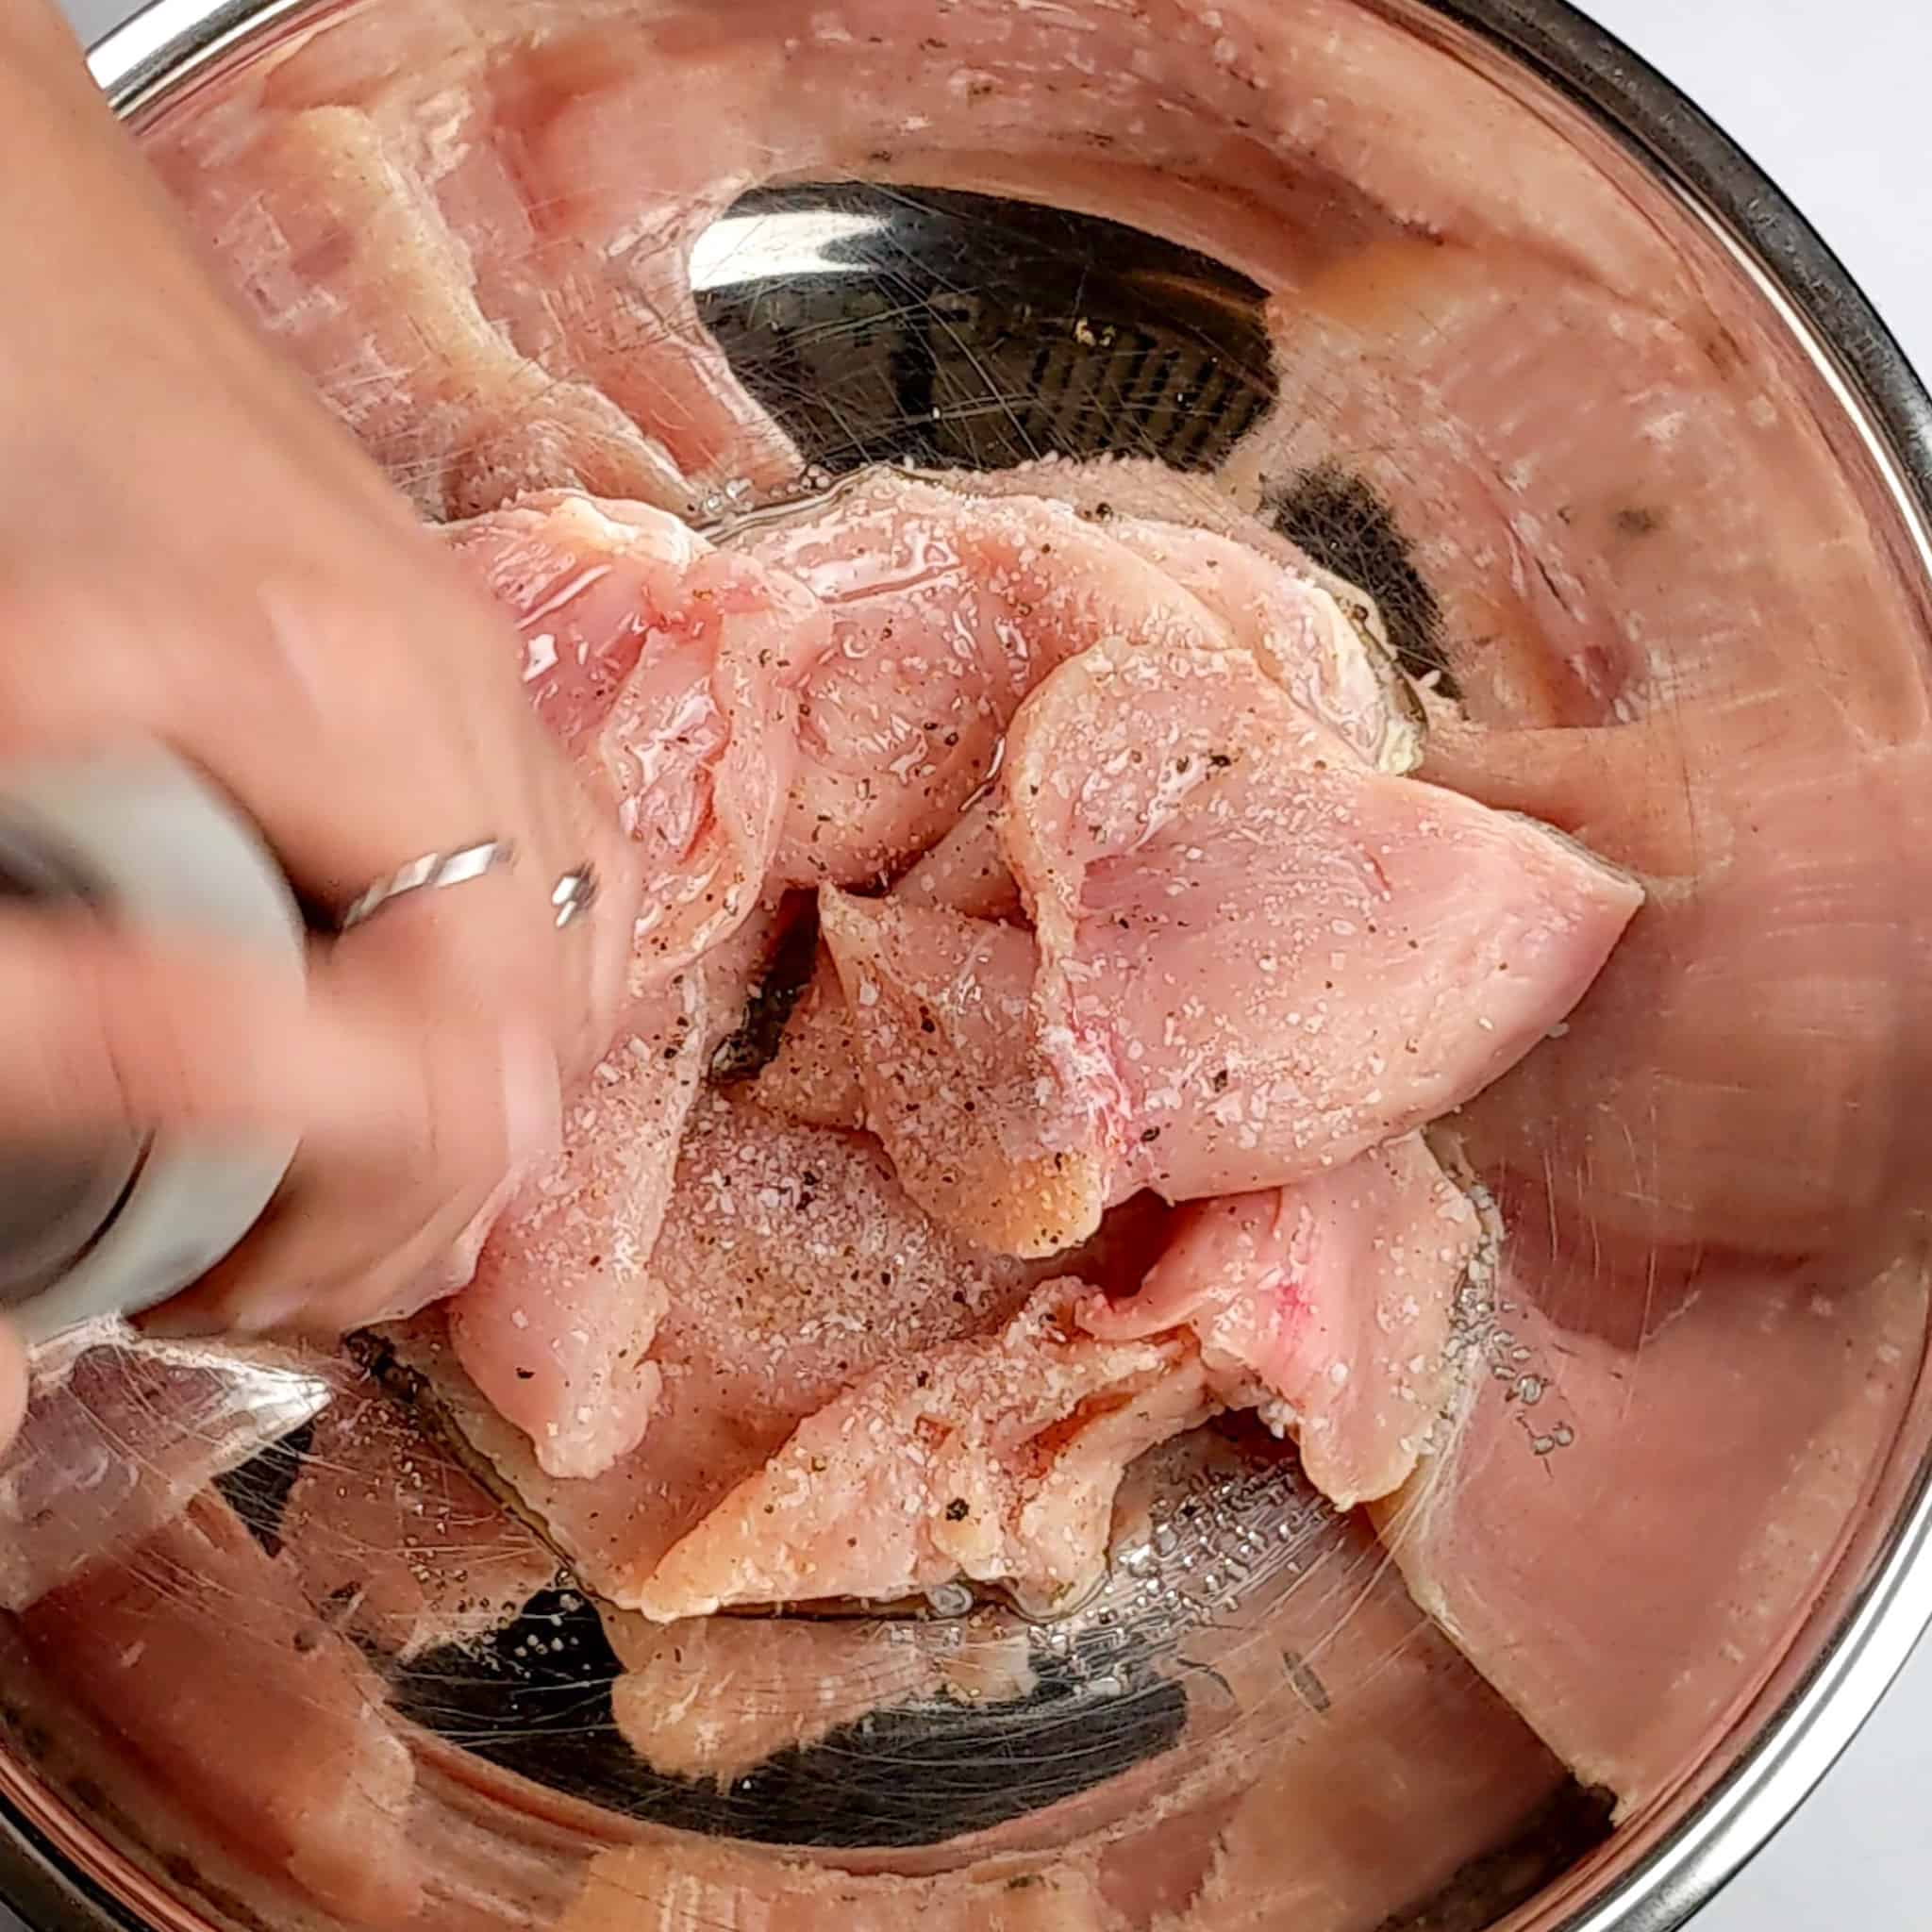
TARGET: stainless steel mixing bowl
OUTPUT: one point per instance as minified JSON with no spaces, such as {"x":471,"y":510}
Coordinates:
{"x":1495,"y":323}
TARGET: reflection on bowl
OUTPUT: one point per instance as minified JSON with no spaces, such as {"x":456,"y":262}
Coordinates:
{"x":1624,"y":465}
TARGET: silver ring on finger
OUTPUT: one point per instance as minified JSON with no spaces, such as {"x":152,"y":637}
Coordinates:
{"x":573,"y":895}
{"x":430,"y":872}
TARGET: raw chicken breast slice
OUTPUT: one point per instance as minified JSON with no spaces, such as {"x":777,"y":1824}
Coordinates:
{"x":285,"y":1751}
{"x":1213,"y":881}
{"x":1321,"y":639}
{"x":1747,"y":1075}
{"x":994,"y":1458}
{"x":813,"y":1077}
{"x":1326,"y":1306}
{"x":123,"y":1432}
{"x":954,"y":1083}
{"x":395,"y":1543}
{"x":967,"y":870}
{"x":675,"y":670}
{"x":581,"y":227}
{"x":556,"y":1329}
{"x":1628,"y":1528}
{"x":814,"y":1074}
{"x":945,"y":611}
{"x":715,"y":1697}
{"x":587,"y":582}
{"x":791,"y":1265}
{"x":700,"y":746}
{"x":332,"y":238}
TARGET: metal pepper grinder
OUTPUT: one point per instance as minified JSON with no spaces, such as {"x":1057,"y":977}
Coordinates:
{"x":141,"y":841}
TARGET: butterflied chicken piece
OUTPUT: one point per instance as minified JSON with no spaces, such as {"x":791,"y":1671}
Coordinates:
{"x":1629,"y":1526}
{"x":330,"y":235}
{"x":789,"y":1266}
{"x":556,"y":1329}
{"x":395,"y":1543}
{"x":954,"y":1078}
{"x":675,"y":669}
{"x":700,"y":746}
{"x":122,"y":1432}
{"x":1213,"y":878}
{"x":1746,"y":1076}
{"x":268,"y":1726}
{"x":715,"y":1697}
{"x":994,"y":1458}
{"x":1326,"y":1306}
{"x":946,"y":611}
{"x":1321,"y":639}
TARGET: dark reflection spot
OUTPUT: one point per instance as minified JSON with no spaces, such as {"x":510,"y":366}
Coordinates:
{"x":1546,"y":1845}
{"x":1345,"y":524}
{"x":755,"y":1044}
{"x":257,"y":1491}
{"x":955,"y":329}
{"x":536,"y":1699}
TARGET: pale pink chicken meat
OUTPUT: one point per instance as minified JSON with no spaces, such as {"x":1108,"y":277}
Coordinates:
{"x":1327,"y":1307}
{"x":329,"y":234}
{"x":994,"y":1458}
{"x":952,"y":1077}
{"x":1321,"y":638}
{"x":287,"y":1753}
{"x":673,"y":670}
{"x":556,"y":1327}
{"x":587,"y":582}
{"x":1212,"y":875}
{"x":814,"y":1075}
{"x":947,"y":609}
{"x":789,"y":1266}
{"x":713,"y":1698}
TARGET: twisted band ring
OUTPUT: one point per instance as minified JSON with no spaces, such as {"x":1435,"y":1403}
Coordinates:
{"x":433,"y":870}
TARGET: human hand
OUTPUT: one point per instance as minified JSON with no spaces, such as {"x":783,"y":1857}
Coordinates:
{"x":190,"y":551}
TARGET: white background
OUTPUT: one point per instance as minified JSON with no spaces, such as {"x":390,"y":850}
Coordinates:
{"x":1831,"y":100}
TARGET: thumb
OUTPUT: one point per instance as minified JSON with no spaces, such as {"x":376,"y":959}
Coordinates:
{"x":102,"y":1028}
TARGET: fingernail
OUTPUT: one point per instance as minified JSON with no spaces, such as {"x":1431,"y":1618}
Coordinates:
{"x":532,"y":1102}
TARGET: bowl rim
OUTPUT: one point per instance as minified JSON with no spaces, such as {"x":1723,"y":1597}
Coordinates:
{"x":169,"y":41}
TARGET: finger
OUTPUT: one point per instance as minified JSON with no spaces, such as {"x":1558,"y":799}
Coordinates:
{"x":407,"y":681}
{"x":349,"y":1234}
{"x":14,"y":1387}
{"x":109,"y":1028}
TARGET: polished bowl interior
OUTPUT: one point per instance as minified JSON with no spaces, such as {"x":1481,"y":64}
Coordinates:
{"x":1492,"y":324}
